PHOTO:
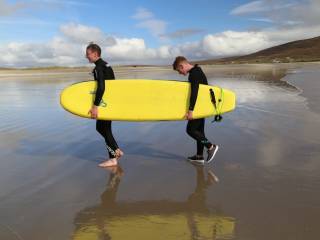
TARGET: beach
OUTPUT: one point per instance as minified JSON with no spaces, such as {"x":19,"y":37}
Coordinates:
{"x":262,"y":184}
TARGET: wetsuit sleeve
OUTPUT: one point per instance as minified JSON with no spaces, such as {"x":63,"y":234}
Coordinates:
{"x":194,"y":80}
{"x":100,"y":86}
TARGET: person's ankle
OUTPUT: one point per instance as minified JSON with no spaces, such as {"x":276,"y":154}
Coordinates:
{"x":118,"y":152}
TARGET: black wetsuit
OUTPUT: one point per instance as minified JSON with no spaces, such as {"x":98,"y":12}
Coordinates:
{"x":101,"y":73}
{"x":195,"y":127}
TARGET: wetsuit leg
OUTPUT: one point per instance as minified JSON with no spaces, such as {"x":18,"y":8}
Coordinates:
{"x":200,"y":145}
{"x":195,"y":129}
{"x":104,"y":128}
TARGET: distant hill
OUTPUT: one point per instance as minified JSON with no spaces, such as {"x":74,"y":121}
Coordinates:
{"x":307,"y":50}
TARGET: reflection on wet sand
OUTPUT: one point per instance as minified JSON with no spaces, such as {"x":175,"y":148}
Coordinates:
{"x":160,"y":219}
{"x":268,"y":163}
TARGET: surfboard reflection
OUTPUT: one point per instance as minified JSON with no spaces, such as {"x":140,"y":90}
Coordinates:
{"x":160,"y":219}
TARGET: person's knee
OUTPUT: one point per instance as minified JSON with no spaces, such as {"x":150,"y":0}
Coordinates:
{"x":190,"y":131}
{"x":99,"y":128}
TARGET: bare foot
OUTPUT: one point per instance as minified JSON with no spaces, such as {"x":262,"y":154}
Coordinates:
{"x":109,"y":163}
{"x":119,"y":153}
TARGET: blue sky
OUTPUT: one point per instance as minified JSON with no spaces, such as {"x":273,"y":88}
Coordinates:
{"x":148,"y":31}
{"x":40,"y":20}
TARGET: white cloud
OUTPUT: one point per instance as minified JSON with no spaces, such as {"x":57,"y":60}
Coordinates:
{"x":283,"y":12}
{"x":263,"y":6}
{"x":154,"y":26}
{"x":143,"y":13}
{"x":147,"y":20}
{"x":255,"y":6}
{"x":81,"y":33}
{"x":266,"y":20}
{"x":68,"y":47}
{"x":234,"y":43}
{"x":131,"y":49}
{"x":182,"y":33}
{"x":134,"y":50}
{"x":305,"y":14}
{"x":158,"y":27}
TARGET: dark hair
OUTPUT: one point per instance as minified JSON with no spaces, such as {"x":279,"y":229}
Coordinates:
{"x":94,"y":48}
{"x":177,"y":61}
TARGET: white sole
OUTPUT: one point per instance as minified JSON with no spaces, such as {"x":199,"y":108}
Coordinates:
{"x":214,"y":153}
{"x":196,"y":161}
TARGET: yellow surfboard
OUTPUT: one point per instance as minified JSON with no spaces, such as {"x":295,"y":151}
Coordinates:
{"x":146,"y":100}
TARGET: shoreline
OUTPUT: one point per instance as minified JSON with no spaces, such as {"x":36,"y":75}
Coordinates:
{"x":86,"y":68}
{"x":269,"y":152}
{"x":216,"y":69}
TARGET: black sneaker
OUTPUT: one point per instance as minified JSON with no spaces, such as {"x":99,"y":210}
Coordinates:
{"x":211,"y":153}
{"x":196,"y":159}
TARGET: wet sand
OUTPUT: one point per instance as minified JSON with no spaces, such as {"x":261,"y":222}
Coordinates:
{"x":263,"y":183}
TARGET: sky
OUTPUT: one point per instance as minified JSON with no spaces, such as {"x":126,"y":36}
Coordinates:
{"x":55,"y":32}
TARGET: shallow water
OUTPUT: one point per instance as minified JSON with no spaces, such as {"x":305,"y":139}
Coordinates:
{"x":263,"y":183}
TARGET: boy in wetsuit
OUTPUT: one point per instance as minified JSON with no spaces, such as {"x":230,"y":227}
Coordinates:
{"x":195,"y":127}
{"x":102,"y":72}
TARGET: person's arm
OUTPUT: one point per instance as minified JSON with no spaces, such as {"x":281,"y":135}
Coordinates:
{"x":100,"y":86}
{"x":194,"y":80}
{"x":99,"y":93}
